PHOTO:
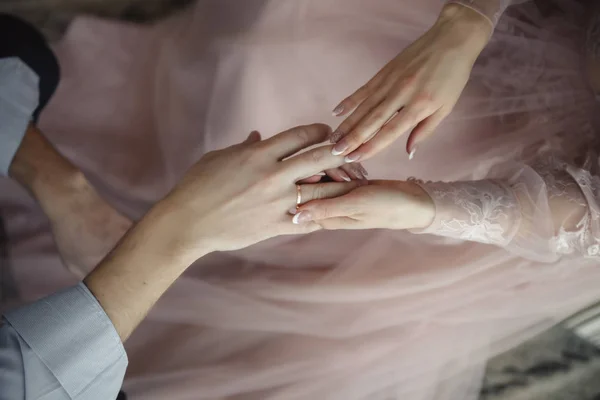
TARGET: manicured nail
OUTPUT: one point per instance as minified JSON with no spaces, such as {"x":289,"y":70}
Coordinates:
{"x":411,"y":155}
{"x":338,"y":110}
{"x":301,"y":218}
{"x":345,"y":176}
{"x":357,"y":172}
{"x":293,"y":211}
{"x":336,"y":136}
{"x":340,"y":148}
{"x":352,"y":158}
{"x":363,"y":170}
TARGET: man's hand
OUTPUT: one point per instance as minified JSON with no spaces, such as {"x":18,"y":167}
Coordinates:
{"x":230,"y":199}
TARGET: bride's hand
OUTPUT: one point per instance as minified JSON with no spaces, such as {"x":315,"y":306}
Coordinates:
{"x":380,"y":204}
{"x":416,"y":90}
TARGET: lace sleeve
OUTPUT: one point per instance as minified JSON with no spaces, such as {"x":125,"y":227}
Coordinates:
{"x":491,"y":9}
{"x":541,"y":212}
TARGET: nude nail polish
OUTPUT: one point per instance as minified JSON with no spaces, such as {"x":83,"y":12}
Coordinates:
{"x":411,"y":155}
{"x":345,"y":176}
{"x":352,"y":158}
{"x":338,"y":110}
{"x":301,"y":218}
{"x":339,"y":148}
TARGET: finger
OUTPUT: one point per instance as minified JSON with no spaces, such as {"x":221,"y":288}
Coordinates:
{"x":293,"y":140}
{"x":312,"y":179}
{"x":370,"y":124}
{"x":396,"y":127}
{"x":345,"y":223}
{"x":423,"y":131}
{"x":253,"y":137}
{"x":338,"y":175}
{"x":310,"y":163}
{"x":328,"y":190}
{"x":318,"y":210}
{"x":356,"y":98}
{"x":300,"y":229}
{"x":356,"y":171}
{"x":351,"y":121}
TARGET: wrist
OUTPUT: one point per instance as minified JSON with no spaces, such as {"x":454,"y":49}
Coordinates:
{"x":470,"y":29}
{"x":175,"y":234}
{"x":417,"y":210}
{"x":425,"y":207}
{"x":39,"y":167}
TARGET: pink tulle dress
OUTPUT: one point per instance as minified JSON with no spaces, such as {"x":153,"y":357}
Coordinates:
{"x":375,"y":314}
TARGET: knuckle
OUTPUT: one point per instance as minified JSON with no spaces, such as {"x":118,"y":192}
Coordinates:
{"x":318,"y":192}
{"x":376,"y":115}
{"x":302,"y":134}
{"x":424,"y":98}
{"x":407,"y":81}
{"x":354,"y":140}
{"x":410,"y":119}
{"x":317,"y":156}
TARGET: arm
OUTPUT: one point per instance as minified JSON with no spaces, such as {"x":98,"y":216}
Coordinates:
{"x":68,"y":346}
{"x":541,"y":212}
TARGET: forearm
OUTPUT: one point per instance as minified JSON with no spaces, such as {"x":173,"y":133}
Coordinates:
{"x":42,"y":170}
{"x":541,"y":212}
{"x":141,"y":268}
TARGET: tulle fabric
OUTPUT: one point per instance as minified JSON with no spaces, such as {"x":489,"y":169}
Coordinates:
{"x":490,"y":9}
{"x":332,"y":315}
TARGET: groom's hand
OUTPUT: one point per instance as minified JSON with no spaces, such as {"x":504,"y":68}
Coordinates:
{"x":230,"y":199}
{"x":238,"y":196}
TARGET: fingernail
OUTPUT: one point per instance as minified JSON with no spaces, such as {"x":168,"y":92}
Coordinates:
{"x":357,"y":172}
{"x":340,"y":148}
{"x":293,"y":211}
{"x":364,"y":171}
{"x":301,"y":218}
{"x":411,"y":155}
{"x":352,"y":158}
{"x":336,"y":136}
{"x":345,"y":176}
{"x":338,"y":110}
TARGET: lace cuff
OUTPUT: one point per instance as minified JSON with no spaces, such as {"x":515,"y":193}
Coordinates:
{"x":542,"y":212}
{"x":480,"y":211}
{"x":490,"y":9}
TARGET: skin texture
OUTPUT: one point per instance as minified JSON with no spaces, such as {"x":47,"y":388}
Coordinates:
{"x":416,"y":90}
{"x":217,"y":206}
{"x":84,"y":225}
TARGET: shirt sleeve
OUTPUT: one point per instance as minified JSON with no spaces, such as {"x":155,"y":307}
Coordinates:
{"x":61,"y":347}
{"x":19,"y":96}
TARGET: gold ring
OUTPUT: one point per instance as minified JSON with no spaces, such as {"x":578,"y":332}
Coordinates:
{"x":298,"y":196}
